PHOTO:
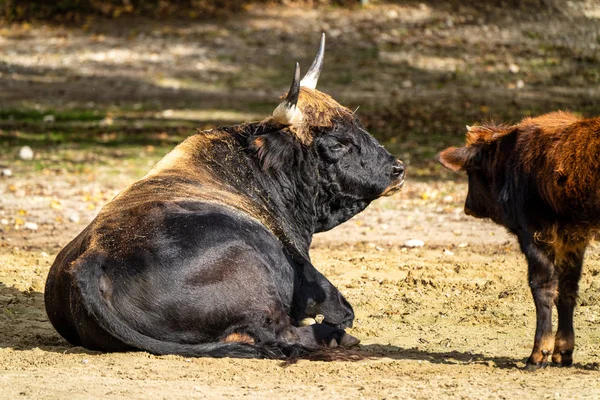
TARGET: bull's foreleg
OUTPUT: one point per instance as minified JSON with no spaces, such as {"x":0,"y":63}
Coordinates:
{"x":314,"y":294}
{"x":568,"y":287}
{"x":544,"y":285}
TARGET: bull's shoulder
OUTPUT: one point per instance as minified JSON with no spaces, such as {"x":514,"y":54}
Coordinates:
{"x":186,"y":156}
{"x":170,"y":189}
{"x":209,"y":147}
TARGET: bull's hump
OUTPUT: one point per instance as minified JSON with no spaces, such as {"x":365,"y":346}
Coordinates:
{"x":177,"y":159}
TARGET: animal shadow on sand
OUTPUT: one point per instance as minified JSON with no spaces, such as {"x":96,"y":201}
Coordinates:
{"x":25,"y":326}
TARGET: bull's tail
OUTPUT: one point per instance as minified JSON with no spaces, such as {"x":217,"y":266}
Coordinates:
{"x":88,"y":282}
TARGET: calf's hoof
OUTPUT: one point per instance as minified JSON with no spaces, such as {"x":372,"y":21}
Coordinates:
{"x":563,"y":358}
{"x":530,"y":366}
{"x":541,"y":362}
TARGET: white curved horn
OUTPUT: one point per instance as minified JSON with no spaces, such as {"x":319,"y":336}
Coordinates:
{"x":286,"y":112}
{"x":312,"y":75}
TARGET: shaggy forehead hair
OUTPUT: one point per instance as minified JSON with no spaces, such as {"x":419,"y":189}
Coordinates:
{"x":481,"y":135}
{"x":319,"y":110}
{"x":489,"y":132}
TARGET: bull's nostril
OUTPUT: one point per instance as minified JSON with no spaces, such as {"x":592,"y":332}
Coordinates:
{"x":398,"y":170}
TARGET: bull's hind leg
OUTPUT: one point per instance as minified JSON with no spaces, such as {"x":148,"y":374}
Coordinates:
{"x":323,"y":335}
{"x":568,"y":286}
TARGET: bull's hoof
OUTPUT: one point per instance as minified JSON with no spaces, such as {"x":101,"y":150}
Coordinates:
{"x":307,"y":322}
{"x":344,"y":324}
{"x":348,"y":341}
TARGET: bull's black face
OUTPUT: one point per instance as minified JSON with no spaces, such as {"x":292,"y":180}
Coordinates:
{"x":356,"y":165}
{"x":354,"y":168}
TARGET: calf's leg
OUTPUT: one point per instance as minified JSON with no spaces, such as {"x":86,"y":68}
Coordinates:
{"x":570,"y":272}
{"x":544,"y":285}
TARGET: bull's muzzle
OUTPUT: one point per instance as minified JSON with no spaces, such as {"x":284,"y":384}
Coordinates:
{"x":397,"y":175}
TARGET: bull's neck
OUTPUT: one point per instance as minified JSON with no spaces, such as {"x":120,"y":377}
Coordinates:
{"x":303,"y":201}
{"x":334,"y":209}
{"x":282,"y":199}
{"x":295,"y":201}
{"x":289,"y":197}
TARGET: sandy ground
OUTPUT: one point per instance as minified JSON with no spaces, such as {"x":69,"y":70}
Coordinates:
{"x":452,"y":319}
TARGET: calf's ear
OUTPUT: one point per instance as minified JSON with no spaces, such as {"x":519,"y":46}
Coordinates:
{"x":455,"y":158}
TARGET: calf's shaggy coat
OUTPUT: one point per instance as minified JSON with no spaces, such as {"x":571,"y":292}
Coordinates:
{"x":208,"y":254}
{"x":541,"y":180}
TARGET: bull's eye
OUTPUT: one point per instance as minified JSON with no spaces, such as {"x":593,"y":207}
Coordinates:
{"x":337,"y":147}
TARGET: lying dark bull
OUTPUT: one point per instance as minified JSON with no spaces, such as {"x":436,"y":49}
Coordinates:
{"x":208,"y":254}
{"x":540,"y":179}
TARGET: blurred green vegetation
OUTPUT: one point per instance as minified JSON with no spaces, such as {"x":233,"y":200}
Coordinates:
{"x":78,"y":10}
{"x":414,"y":131}
{"x":418,"y":71}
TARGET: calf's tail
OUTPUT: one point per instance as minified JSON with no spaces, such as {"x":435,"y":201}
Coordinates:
{"x":88,"y":281}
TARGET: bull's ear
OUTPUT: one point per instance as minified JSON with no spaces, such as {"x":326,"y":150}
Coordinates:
{"x":275,"y":150}
{"x":455,"y":158}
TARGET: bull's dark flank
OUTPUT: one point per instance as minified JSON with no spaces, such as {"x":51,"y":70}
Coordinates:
{"x":208,"y":254}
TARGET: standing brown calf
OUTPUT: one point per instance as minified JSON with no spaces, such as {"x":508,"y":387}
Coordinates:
{"x":541,"y":180}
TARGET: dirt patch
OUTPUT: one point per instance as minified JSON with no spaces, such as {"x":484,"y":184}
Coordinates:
{"x":451,"y":319}
{"x":100,"y":104}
